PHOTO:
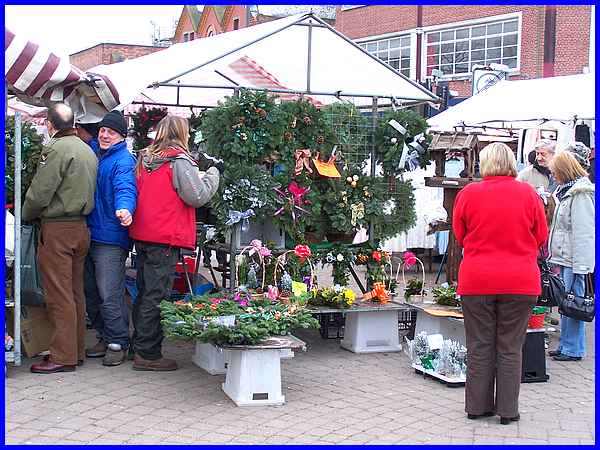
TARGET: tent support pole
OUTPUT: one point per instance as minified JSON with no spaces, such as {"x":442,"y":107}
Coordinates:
{"x":17,"y":254}
{"x":235,"y":229}
{"x":285,"y":91}
{"x":374,"y":114}
{"x":309,"y":56}
{"x":178,"y":89}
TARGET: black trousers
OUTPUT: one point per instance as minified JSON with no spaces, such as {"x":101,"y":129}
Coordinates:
{"x":155,"y":266}
{"x":495,"y":327}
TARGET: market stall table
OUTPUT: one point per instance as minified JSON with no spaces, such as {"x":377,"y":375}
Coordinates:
{"x":254,"y":371}
{"x":445,"y":320}
{"x":370,"y":327}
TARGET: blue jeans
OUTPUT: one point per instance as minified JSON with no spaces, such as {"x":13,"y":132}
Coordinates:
{"x":572,"y":331}
{"x":105,"y":293}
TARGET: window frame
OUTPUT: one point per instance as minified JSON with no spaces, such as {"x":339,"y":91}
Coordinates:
{"x":233,"y":23}
{"x":470,"y":24}
{"x":386,"y":41}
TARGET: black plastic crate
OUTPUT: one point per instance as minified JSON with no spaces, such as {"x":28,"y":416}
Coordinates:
{"x":407,"y":320}
{"x":332,"y":325}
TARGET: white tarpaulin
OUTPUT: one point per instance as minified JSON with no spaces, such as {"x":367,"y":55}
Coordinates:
{"x":523,"y":104}
{"x":275,"y":55}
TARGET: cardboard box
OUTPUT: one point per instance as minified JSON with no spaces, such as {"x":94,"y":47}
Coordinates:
{"x":36,"y":329}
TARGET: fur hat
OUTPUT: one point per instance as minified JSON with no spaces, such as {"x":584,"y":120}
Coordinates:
{"x":581,"y":152}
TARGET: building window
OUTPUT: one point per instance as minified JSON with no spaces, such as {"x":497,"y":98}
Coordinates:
{"x":236,"y":23}
{"x":210,"y":32}
{"x":456,"y":50}
{"x":394,"y":51}
{"x":188,"y":36}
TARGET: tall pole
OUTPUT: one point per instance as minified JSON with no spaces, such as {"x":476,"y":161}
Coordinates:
{"x":309,"y":56}
{"x":17,"y":260}
{"x":235,"y":230}
{"x":374,"y":113}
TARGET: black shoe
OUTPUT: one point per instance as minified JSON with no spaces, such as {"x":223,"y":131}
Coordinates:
{"x":508,"y":420}
{"x":562,"y":357}
{"x":554,"y":353}
{"x":485,"y":414}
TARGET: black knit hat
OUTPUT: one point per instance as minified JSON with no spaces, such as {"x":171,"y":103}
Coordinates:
{"x":115,"y":121}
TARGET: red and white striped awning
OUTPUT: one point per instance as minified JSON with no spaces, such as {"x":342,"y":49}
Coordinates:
{"x":257,"y":76}
{"x":38,"y":76}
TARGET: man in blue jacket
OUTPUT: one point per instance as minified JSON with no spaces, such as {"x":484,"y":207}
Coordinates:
{"x":115,"y":202}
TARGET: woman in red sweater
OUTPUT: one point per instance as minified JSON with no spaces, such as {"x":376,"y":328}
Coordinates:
{"x":500,"y":224}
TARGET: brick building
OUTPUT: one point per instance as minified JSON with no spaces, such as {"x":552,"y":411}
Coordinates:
{"x":533,"y":41}
{"x":194,"y":24}
{"x":108,"y":53}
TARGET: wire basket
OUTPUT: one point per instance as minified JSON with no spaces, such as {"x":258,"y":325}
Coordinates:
{"x":263,"y":270}
{"x":280,"y":263}
{"x":402,"y":265}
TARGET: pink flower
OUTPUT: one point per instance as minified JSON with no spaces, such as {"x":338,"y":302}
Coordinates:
{"x":409,"y":259}
{"x":302,"y":252}
{"x":272,"y":292}
{"x":264,"y":252}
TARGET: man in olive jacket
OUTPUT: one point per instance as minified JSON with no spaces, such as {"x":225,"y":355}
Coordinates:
{"x":62,"y":195}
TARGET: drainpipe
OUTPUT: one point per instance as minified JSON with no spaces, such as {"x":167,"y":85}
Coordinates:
{"x":549,"y":40}
{"x":419,"y":40}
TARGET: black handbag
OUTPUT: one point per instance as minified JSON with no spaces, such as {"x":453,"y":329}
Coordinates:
{"x":553,"y":287}
{"x":579,"y":308}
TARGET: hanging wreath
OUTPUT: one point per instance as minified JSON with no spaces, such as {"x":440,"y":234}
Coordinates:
{"x":245,"y":129}
{"x":389,"y":142}
{"x":144,"y":120}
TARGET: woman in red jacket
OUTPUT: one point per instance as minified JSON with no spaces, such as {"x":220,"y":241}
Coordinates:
{"x":500,"y":224}
{"x":170,"y":188}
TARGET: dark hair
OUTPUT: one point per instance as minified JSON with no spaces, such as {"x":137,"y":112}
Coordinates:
{"x":60,"y":116}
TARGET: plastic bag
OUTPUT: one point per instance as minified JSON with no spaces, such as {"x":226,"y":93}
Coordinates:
{"x":32,"y":293}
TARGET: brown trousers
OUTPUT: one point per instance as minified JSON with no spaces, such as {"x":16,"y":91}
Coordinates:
{"x":495,"y":327}
{"x":61,"y":254}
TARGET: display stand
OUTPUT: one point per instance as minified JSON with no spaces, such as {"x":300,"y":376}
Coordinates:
{"x":444,"y":320}
{"x":448,"y":381}
{"x":369,"y":327}
{"x":210,"y":358}
{"x":254,"y":371}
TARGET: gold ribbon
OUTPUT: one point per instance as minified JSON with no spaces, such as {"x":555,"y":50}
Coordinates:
{"x":302,"y":157}
{"x":358,"y":212}
{"x":379,"y":292}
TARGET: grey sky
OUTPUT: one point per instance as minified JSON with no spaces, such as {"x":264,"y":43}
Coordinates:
{"x":68,"y":29}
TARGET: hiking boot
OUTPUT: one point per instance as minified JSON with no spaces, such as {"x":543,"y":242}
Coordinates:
{"x":115,"y":355}
{"x":97,"y":351}
{"x":158,"y":365}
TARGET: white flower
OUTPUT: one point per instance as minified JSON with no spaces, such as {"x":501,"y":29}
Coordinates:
{"x":355,"y":178}
{"x":337,"y":288}
{"x":340,"y":257}
{"x":393,"y":140}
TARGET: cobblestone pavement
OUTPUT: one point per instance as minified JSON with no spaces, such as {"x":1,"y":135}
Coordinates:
{"x":333,"y":396}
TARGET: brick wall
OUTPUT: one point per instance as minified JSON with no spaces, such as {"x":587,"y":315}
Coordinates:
{"x":184,"y":25}
{"x":109,"y":54}
{"x":572,"y":32}
{"x":209,"y":21}
{"x":237,"y":11}
{"x":572,"y":39}
{"x":374,"y":20}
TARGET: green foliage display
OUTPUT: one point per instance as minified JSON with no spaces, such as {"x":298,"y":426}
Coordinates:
{"x":414,"y":286}
{"x":341,"y":257}
{"x":446,"y":295}
{"x":31,"y":149}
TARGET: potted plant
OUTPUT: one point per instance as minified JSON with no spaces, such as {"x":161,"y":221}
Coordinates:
{"x":445,"y":295}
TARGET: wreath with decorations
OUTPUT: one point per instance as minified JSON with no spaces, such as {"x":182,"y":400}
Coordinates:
{"x":144,"y":120}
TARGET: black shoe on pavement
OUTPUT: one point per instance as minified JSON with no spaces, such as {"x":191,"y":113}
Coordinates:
{"x":508,"y":420}
{"x":554,"y":353}
{"x":477,"y":416}
{"x":562,"y":357}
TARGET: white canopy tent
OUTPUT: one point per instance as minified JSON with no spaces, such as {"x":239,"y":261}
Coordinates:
{"x":299,"y":54}
{"x":523,"y":104}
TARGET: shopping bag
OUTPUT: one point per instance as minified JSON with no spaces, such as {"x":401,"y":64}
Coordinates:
{"x":32,"y":293}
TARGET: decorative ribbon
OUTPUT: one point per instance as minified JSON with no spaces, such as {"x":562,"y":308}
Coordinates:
{"x":378,"y":293}
{"x":302,"y":252}
{"x":358,"y":212}
{"x":236,"y":216}
{"x":302,"y":157}
{"x":293,"y":199}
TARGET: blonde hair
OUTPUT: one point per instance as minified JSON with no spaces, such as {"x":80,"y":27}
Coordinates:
{"x":171,"y":132}
{"x":565,"y":167}
{"x":497,"y":159}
